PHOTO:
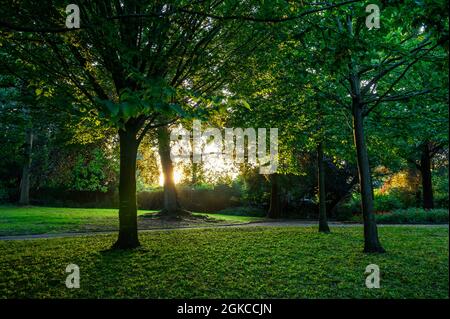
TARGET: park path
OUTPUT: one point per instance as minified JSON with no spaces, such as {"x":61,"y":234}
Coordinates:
{"x":280,"y":223}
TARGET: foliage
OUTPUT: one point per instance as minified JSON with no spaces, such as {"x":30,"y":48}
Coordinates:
{"x":147,"y":165}
{"x":88,"y":168}
{"x":90,"y":174}
{"x":4,"y":196}
{"x":202,"y":198}
{"x":387,"y":203}
{"x":414,"y":216}
{"x":384,"y":202}
{"x":243,"y":211}
{"x":440,"y":186}
{"x":346,"y":211}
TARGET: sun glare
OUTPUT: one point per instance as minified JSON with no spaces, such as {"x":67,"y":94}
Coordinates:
{"x":177,"y":176}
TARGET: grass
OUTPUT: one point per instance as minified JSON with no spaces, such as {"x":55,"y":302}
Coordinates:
{"x":251,"y":262}
{"x":43,"y":220}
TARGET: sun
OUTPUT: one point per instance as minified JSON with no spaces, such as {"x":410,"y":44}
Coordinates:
{"x":177,"y":177}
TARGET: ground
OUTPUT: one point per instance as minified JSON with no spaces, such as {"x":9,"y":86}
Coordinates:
{"x":229,"y":262}
{"x":246,"y":262}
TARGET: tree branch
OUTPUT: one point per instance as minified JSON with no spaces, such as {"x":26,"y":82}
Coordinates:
{"x":10,"y":27}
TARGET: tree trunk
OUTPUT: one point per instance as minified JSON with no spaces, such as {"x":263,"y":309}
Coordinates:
{"x":371,"y":241}
{"x":25,"y":180}
{"x":323,"y":223}
{"x":194,"y":173}
{"x":275,"y":207}
{"x":425,"y":170}
{"x":128,"y":232}
{"x":171,"y":206}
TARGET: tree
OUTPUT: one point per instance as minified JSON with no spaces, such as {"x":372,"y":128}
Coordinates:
{"x":171,"y":206}
{"x":135,"y":63}
{"x":25,"y":179}
{"x":366,"y":70}
{"x":419,"y":130}
{"x":369,"y":68}
{"x":323,"y":223}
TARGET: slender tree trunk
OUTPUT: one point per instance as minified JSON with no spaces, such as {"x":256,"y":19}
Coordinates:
{"x":275,"y":207}
{"x":425,"y":170}
{"x":171,"y":205}
{"x":323,"y":223}
{"x":194,"y":174}
{"x":25,"y":180}
{"x":371,"y":241}
{"x":128,"y":232}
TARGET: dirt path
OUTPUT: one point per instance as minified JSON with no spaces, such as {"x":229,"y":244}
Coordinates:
{"x":280,"y":223}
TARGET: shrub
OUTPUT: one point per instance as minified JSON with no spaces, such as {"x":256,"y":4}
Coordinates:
{"x":4,"y":196}
{"x":441,"y":201}
{"x":59,"y":197}
{"x":202,"y":199}
{"x":440,"y":188}
{"x":351,"y":207}
{"x":150,"y":200}
{"x":243,"y":211}
{"x":387,"y":202}
{"x":344,"y":214}
{"x":414,"y":216}
{"x":383,"y":202}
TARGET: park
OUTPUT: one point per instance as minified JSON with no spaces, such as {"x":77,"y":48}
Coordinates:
{"x":224,"y":149}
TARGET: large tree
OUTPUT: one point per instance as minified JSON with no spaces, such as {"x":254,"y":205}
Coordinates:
{"x":138,"y":62}
{"x":418,"y":131}
{"x":369,"y":69}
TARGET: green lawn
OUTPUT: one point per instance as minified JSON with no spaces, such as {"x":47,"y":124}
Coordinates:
{"x":42,"y":220}
{"x":250,"y":262}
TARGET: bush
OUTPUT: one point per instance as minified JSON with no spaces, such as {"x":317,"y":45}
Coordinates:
{"x":243,"y":211}
{"x":203,"y":199}
{"x":387,"y":202}
{"x":150,"y":200}
{"x":441,"y":201}
{"x":383,"y":202}
{"x":349,"y":208}
{"x":344,"y":214}
{"x":414,"y":216}
{"x":440,"y":188}
{"x":4,"y":196}
{"x":59,"y":197}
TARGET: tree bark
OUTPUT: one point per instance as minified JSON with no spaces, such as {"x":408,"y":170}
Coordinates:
{"x":371,"y":241}
{"x":275,"y":207}
{"x":128,"y":232}
{"x":194,"y":179}
{"x":25,"y":180}
{"x":171,"y":206}
{"x":323,"y":223}
{"x":425,"y":170}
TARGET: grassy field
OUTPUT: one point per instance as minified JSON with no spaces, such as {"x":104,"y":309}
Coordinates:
{"x":42,"y":220}
{"x":250,"y":262}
